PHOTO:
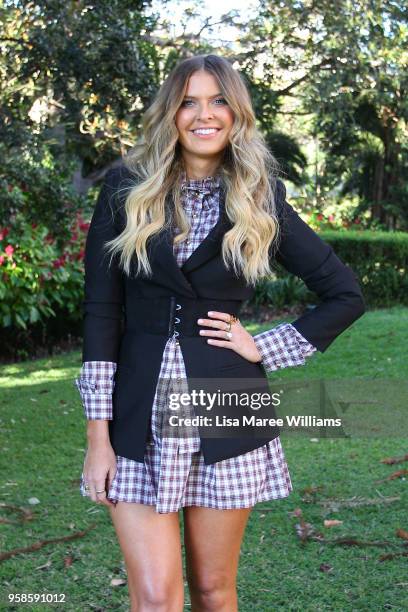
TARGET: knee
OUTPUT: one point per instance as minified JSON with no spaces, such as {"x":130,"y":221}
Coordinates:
{"x":213,"y":592}
{"x":158,"y":597}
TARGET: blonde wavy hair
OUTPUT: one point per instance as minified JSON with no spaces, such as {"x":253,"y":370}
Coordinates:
{"x":248,"y":172}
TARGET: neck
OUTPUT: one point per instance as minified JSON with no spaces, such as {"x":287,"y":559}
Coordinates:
{"x":198,"y":169}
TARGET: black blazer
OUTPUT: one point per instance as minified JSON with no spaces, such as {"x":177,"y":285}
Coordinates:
{"x":128,"y":320}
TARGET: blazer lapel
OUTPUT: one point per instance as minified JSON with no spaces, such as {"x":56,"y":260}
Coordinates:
{"x":161,"y":251}
{"x":211,"y":245}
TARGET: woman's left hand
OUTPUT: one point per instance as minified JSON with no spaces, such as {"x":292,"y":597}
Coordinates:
{"x":241,"y":341}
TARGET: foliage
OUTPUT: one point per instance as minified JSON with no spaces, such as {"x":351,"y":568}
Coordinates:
{"x":36,"y":185}
{"x":379,"y":260}
{"x":76,"y":74}
{"x":343,"y":64}
{"x":36,"y":274}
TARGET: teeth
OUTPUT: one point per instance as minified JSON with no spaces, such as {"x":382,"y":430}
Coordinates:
{"x":205,"y":131}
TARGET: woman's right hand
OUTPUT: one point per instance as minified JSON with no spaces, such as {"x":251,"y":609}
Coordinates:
{"x":99,"y":470}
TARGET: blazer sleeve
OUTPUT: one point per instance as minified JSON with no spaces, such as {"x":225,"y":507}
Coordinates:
{"x":103,"y":304}
{"x":303,"y":253}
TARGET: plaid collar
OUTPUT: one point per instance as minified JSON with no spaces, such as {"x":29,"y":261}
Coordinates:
{"x":207,"y":184}
{"x":195,"y":190}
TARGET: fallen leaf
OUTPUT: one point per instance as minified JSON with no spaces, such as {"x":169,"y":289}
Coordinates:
{"x":401,"y":533}
{"x":394,"y":475}
{"x":332,"y":523}
{"x":392,"y":460}
{"x":117,"y":582}
{"x":297,"y":512}
{"x":325,"y":567}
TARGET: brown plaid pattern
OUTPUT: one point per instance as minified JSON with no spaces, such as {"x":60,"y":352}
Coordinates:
{"x":174,"y":474}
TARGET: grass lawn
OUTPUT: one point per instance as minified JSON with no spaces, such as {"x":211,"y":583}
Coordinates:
{"x":42,"y":450}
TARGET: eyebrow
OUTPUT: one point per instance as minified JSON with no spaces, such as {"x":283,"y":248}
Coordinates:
{"x":214,"y":96}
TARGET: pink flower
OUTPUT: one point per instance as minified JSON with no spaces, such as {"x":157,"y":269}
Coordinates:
{"x":3,"y":233}
{"x":319,"y":217}
{"x":9,"y":250}
{"x":74,"y":237}
{"x":34,"y":225}
{"x":84,"y":227}
{"x":1,"y":259}
{"x":331,"y":218}
{"x":357,"y":221}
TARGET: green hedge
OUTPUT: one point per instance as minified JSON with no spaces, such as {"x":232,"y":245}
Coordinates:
{"x":379,"y":259}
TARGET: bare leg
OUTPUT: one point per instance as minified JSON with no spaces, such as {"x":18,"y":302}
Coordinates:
{"x":213,"y":540}
{"x":151,"y":547}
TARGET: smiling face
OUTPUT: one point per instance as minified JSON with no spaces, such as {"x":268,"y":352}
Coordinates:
{"x":204,"y":121}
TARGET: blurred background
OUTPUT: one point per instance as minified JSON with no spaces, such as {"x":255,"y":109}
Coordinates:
{"x":328,"y":82}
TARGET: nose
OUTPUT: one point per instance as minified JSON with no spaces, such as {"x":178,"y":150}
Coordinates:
{"x":205,"y":112}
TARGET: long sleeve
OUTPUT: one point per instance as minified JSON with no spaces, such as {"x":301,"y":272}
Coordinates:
{"x":104,"y":281}
{"x":102,"y":306}
{"x":95,"y":384}
{"x":282,"y":347}
{"x":303,"y":253}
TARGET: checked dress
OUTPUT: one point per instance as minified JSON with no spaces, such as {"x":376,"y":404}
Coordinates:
{"x":174,"y":474}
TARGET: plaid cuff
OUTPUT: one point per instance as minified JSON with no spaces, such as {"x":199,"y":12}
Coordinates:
{"x":283,"y":346}
{"x":95,"y":384}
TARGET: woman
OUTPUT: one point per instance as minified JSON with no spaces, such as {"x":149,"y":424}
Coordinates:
{"x":192,"y":220}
